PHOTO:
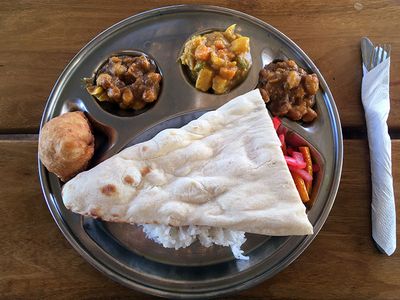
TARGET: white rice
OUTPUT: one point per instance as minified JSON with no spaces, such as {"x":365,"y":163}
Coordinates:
{"x":182,"y":237}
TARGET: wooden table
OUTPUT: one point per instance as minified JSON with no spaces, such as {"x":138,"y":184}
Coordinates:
{"x":38,"y":38}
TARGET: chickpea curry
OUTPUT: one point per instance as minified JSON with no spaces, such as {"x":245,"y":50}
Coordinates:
{"x":217,"y":61}
{"x":129,"y":81}
{"x":289,"y":90}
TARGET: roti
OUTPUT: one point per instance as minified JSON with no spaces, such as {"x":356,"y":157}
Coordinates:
{"x":225,"y":169}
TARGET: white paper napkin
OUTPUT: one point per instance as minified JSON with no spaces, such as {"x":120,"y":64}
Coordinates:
{"x":375,"y":98}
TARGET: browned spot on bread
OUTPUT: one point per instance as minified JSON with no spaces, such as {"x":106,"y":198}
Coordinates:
{"x":128,"y":179}
{"x":108,"y":189}
{"x":115,"y":215}
{"x":145,"y":171}
{"x":145,"y":148}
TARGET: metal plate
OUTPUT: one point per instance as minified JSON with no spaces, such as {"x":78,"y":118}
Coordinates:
{"x":121,"y":251}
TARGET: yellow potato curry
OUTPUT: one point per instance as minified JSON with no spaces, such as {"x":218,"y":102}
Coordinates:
{"x":217,"y":61}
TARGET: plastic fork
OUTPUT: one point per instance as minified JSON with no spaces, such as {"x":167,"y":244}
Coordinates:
{"x":378,"y":55}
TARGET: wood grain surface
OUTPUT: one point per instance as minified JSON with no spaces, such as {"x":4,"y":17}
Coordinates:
{"x":38,"y":39}
{"x":36,"y":261}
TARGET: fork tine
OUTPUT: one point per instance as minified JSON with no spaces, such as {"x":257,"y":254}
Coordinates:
{"x":378,"y":54}
{"x":385,"y":52}
{"x":371,"y":59}
{"x":381,"y":54}
{"x":375,"y":58}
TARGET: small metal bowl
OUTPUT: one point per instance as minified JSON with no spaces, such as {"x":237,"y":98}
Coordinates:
{"x":187,"y":74}
{"x":113,"y":108}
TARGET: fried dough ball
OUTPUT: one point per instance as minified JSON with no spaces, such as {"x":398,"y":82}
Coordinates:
{"x":66,"y":144}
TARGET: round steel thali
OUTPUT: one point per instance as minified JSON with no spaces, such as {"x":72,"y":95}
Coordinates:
{"x":121,"y":251}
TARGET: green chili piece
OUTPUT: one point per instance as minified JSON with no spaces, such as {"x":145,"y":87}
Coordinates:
{"x":242,"y":63}
{"x":199,"y":66}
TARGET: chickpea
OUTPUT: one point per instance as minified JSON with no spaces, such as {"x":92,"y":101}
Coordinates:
{"x":311,"y":83}
{"x":310,"y":115}
{"x":138,"y":104}
{"x":135,"y":70}
{"x":310,"y":101}
{"x":127,"y":96}
{"x":152,"y":78}
{"x":264,"y":95}
{"x":300,"y":93}
{"x":294,"y":114}
{"x":119,"y":69}
{"x":274,"y":77}
{"x":293,"y":79}
{"x":149,"y":95}
{"x":114,"y":93}
{"x":144,"y":63}
{"x":292,"y":64}
{"x":115,"y":59}
{"x":104,"y":80}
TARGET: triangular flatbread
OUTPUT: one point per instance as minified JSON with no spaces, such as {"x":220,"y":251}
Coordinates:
{"x":224,"y":169}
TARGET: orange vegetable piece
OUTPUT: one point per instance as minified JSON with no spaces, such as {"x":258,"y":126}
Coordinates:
{"x":301,"y":187}
{"x":307,"y":158}
{"x":202,"y":52}
{"x":219,"y":44}
{"x":228,"y":73}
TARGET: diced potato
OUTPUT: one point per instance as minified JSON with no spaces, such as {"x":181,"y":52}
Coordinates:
{"x":219,"y":85}
{"x":217,"y":61}
{"x":241,"y":45}
{"x":230,"y":32}
{"x":204,"y":80}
